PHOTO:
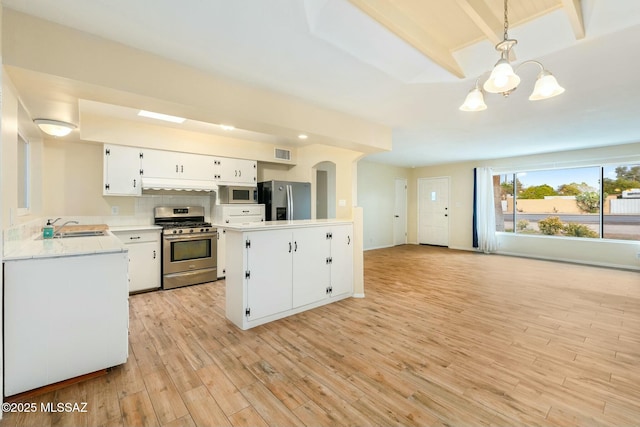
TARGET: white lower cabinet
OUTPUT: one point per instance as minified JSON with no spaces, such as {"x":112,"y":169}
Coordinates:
{"x":144,"y":258}
{"x":285,"y":271}
{"x":268,"y":273}
{"x":311,"y":268}
{"x":63,"y":317}
{"x":341,"y":260}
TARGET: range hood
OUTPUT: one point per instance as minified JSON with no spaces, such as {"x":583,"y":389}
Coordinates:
{"x":178,"y":184}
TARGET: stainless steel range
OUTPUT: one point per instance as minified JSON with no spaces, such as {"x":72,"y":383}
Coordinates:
{"x":189,"y":252}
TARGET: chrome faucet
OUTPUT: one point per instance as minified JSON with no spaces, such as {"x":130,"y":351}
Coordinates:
{"x":57,"y":231}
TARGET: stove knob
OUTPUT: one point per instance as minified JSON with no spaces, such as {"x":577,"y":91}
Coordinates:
{"x":191,"y":230}
{"x":180,"y":231}
{"x":206,"y":229}
{"x":201,"y":230}
{"x":174,"y":231}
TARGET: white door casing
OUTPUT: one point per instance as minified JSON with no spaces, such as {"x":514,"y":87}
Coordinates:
{"x":400,"y":213}
{"x":433,"y":211}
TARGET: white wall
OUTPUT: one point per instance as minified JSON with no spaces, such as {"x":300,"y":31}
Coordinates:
{"x":376,"y":195}
{"x":2,"y":95}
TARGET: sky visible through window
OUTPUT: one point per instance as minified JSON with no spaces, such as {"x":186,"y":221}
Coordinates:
{"x":557,"y":177}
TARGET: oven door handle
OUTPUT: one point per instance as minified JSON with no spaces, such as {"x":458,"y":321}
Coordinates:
{"x":199,"y":236}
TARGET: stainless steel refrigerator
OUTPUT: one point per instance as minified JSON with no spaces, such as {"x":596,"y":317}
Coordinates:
{"x":285,"y":200}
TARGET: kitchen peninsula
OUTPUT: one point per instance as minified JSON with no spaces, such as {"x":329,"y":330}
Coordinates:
{"x":65,"y":309}
{"x":279,"y":268}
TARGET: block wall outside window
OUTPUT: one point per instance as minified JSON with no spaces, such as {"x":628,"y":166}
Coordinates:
{"x":588,"y":202}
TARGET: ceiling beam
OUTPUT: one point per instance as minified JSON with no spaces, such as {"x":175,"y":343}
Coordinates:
{"x":481,"y":15}
{"x":404,"y":27}
{"x":574,"y":12}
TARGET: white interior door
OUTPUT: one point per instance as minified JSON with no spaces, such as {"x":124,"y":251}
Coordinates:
{"x":433,"y":211}
{"x":400,"y":213}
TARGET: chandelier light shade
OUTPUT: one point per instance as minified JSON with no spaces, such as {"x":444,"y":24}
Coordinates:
{"x":546,"y":87}
{"x":54,"y":127}
{"x":504,"y":80}
{"x":474,"y":100}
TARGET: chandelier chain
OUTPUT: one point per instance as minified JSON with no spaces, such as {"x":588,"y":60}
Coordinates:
{"x":506,"y":21}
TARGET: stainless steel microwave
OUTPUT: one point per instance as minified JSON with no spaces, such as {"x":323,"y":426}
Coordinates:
{"x":236,"y":194}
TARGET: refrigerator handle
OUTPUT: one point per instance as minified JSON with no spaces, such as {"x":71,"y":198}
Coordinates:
{"x":289,"y":202}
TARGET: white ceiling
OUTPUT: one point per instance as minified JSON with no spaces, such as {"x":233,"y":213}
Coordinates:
{"x":332,"y":54}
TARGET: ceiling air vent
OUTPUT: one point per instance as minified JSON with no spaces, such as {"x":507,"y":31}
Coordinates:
{"x":282,"y":154}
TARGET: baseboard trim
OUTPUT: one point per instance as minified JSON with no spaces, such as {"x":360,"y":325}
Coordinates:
{"x":358,"y":295}
{"x":378,"y":247}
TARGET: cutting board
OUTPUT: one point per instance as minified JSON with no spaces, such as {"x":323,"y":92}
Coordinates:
{"x":70,"y":228}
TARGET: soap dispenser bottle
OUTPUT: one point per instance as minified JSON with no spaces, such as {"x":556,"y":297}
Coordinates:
{"x":47,"y":231}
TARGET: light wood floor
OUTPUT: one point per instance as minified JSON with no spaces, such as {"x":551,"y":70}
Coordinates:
{"x":442,"y":338}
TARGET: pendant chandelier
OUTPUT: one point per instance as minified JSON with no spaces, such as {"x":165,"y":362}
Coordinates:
{"x":504,"y":80}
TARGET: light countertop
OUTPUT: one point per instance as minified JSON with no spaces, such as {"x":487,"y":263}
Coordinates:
{"x":135,"y":228}
{"x":37,"y":247}
{"x":273,"y":225}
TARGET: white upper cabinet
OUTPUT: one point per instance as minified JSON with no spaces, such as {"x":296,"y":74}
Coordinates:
{"x":121,"y":172}
{"x":236,"y":171}
{"x":169,"y":164}
{"x":126,"y":167}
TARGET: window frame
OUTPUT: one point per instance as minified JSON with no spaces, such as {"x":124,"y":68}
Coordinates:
{"x":512,"y":216}
{"x":24,"y":210}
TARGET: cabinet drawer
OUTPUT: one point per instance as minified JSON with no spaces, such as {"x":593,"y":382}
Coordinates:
{"x":138,"y":236}
{"x":234,"y":211}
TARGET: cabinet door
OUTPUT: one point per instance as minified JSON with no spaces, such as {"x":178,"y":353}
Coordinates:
{"x":196,"y":166}
{"x":121,"y":171}
{"x":247,"y":171}
{"x":269,"y":259}
{"x":160,"y":164}
{"x":237,"y":171}
{"x":222,"y":253}
{"x":144,"y":266}
{"x":227,"y":170}
{"x":311,"y":267}
{"x":342,"y":259}
{"x":144,"y":258}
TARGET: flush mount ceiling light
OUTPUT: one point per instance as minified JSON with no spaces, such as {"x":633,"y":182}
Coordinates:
{"x":54,"y":127}
{"x":160,"y":116}
{"x":227,"y":127}
{"x":302,"y":136}
{"x":504,"y":80}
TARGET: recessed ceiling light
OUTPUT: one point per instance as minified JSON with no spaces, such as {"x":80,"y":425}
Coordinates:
{"x":160,"y":116}
{"x":303,"y":136}
{"x":227,"y":127}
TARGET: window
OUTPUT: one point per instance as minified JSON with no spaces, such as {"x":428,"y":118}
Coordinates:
{"x":587,"y":202}
{"x":621,"y":212}
{"x":23,"y":174}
